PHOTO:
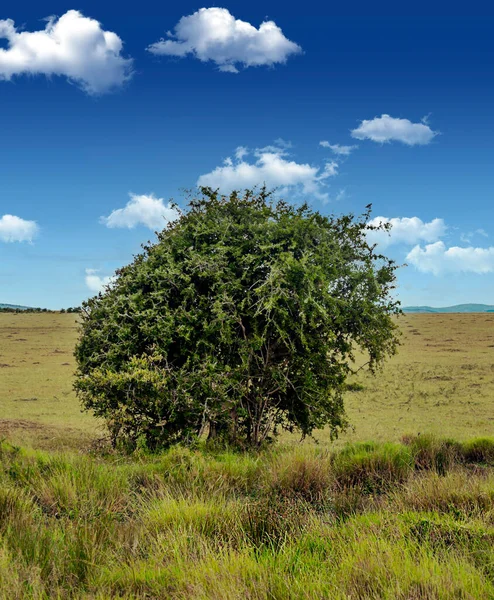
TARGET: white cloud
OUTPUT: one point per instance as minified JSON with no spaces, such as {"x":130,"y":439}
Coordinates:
{"x":72,"y":46}
{"x":214,"y":34}
{"x":271,"y":166}
{"x":95,"y":282}
{"x":337,"y":149}
{"x":388,"y":129}
{"x":439,"y":260}
{"x":405,"y":231}
{"x":240,"y":152}
{"x":142,"y":210}
{"x":15,"y":229}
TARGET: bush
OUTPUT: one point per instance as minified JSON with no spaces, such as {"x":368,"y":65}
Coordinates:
{"x":242,"y":319}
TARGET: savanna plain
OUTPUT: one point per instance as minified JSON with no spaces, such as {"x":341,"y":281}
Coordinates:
{"x":401,"y":506}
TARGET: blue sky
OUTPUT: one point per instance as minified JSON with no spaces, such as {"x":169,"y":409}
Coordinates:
{"x":95,"y":108}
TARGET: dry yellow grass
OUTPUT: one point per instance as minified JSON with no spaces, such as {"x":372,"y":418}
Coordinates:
{"x":37,"y":404}
{"x":441,"y":382}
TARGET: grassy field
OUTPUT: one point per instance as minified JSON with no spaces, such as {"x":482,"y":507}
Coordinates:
{"x":37,"y":404}
{"x":441,"y":382}
{"x":371,"y":522}
{"x":357,"y":520}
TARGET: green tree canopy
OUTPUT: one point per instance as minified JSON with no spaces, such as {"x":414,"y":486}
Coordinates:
{"x":243,"y":318}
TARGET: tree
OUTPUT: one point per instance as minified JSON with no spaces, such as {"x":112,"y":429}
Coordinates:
{"x":243,"y":318}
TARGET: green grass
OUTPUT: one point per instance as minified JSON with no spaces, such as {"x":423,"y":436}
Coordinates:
{"x":370,"y":521}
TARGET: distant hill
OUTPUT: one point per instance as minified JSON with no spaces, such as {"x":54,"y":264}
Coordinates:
{"x":15,"y":306}
{"x":458,"y":308}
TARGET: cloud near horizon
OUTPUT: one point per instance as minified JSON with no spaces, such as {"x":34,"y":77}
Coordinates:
{"x":213,"y":34}
{"x":385,"y":129}
{"x":439,"y":260}
{"x":405,"y":230}
{"x":144,"y":210}
{"x":73,"y":46}
{"x":272,"y":167}
{"x":15,"y":229}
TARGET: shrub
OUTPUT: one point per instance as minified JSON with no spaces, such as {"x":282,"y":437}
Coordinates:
{"x":242,"y":319}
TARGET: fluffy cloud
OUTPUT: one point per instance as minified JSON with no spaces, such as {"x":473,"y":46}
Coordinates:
{"x":337,"y":149}
{"x":214,"y":34}
{"x":405,"y":231}
{"x":15,"y":229}
{"x":270,"y":166}
{"x":388,"y":129}
{"x":142,"y":210}
{"x":72,"y":46}
{"x":95,"y":282}
{"x":439,"y":260}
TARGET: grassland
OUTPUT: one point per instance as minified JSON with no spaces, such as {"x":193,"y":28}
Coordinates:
{"x":441,"y":382}
{"x":37,"y":405}
{"x":383,"y":519}
{"x":372,"y":521}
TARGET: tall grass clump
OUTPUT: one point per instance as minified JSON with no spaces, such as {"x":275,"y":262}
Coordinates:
{"x":434,"y":454}
{"x":369,"y":521}
{"x":372,"y":467}
{"x":480,"y":451}
{"x":301,"y":473}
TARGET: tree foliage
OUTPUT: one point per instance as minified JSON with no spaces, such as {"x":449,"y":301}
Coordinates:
{"x":241,"y":319}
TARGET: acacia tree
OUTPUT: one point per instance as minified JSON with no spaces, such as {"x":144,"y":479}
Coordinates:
{"x":241,"y":319}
